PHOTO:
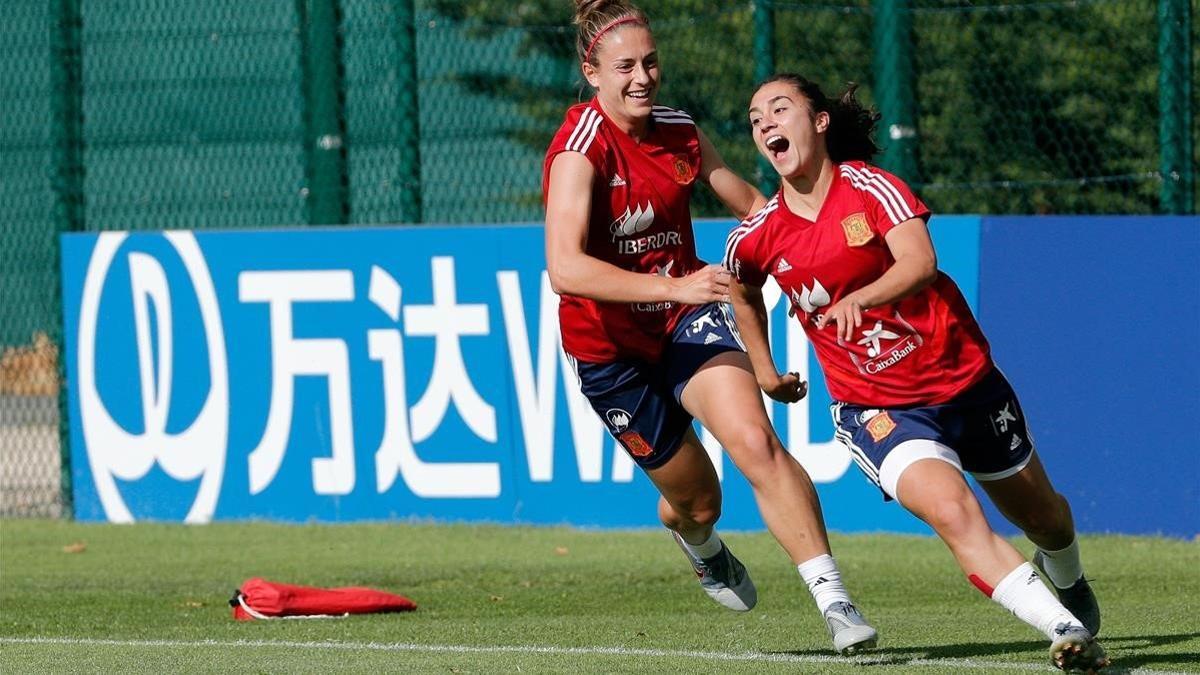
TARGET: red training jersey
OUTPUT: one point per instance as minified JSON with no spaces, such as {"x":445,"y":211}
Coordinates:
{"x":922,"y":350}
{"x":640,"y":221}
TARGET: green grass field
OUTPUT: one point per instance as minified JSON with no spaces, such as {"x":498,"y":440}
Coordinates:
{"x":500,"y":599}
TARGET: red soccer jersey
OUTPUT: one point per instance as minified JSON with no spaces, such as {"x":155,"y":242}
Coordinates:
{"x":640,"y":221}
{"x":921,"y":350}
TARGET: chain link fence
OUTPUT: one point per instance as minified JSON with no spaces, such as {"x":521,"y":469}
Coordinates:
{"x":153,"y":114}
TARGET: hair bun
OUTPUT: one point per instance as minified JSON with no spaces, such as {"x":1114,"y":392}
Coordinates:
{"x":585,"y":8}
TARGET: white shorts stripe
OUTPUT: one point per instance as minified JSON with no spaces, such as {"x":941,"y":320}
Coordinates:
{"x":733,"y":329}
{"x":860,"y":458}
{"x":856,"y":453}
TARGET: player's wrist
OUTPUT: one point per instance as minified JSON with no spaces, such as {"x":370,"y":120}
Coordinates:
{"x":669,"y":289}
{"x":767,"y":379}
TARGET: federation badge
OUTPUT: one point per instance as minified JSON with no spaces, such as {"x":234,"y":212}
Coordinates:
{"x":857,"y":231}
{"x":635,"y":444}
{"x":880,"y":426}
{"x":683,"y":170}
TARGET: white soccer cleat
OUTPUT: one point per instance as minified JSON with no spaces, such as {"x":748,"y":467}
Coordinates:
{"x":850,"y":631}
{"x":723,"y":578}
{"x":1074,"y":650}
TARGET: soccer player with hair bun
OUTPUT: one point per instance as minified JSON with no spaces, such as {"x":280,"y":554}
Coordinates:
{"x":642,"y":322}
{"x":917,"y":398}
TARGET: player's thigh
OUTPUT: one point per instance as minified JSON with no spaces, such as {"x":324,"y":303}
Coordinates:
{"x":1025,"y":495}
{"x":724,"y":396}
{"x":936,"y":491}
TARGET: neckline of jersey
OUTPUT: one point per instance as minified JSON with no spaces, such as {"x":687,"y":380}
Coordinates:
{"x":651,"y":127}
{"x":792,"y":215}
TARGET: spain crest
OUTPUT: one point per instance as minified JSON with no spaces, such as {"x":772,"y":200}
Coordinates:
{"x":857,"y":231}
{"x":635,"y":444}
{"x":880,"y":426}
{"x":683,"y":170}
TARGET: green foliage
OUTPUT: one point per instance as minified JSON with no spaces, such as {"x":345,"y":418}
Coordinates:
{"x":1022,"y":107}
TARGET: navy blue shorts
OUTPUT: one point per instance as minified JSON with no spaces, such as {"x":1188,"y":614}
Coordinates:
{"x":639,"y":401}
{"x":982,"y":430}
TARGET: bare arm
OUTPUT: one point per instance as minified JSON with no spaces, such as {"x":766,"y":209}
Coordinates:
{"x":741,"y":198}
{"x":914,"y":269}
{"x":573,"y":272}
{"x":751,"y":315}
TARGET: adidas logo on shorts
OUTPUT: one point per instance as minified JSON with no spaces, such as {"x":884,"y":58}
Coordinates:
{"x":1016,"y":442}
{"x":783,"y":266}
{"x":711,"y":338}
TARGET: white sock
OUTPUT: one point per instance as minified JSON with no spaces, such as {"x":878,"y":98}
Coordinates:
{"x":705,"y":549}
{"x":1063,"y":566}
{"x":1023,"y":593}
{"x":824,"y":581}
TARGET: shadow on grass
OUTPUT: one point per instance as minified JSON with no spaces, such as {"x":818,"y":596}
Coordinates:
{"x":1127,"y":651}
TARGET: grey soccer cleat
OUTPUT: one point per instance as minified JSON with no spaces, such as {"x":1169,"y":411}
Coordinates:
{"x":1074,"y":650}
{"x":1078,"y":599}
{"x":723,"y":578}
{"x":850,"y":631}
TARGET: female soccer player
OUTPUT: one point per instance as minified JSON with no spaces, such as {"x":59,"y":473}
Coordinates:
{"x":917,"y":396}
{"x":639,"y":318}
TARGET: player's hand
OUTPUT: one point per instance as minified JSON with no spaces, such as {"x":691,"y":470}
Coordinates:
{"x":786,"y":388}
{"x":707,"y":284}
{"x":846,"y":314}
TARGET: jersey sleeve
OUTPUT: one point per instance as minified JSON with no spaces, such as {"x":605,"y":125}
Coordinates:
{"x":744,"y":251}
{"x":580,"y":133}
{"x":889,"y":201}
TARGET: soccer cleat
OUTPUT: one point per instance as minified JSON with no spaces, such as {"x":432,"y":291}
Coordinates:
{"x":1074,"y":650}
{"x":723,"y":578}
{"x":850,"y":631}
{"x":1078,"y":599}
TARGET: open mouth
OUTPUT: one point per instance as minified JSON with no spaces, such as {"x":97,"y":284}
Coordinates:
{"x":639,"y":95}
{"x":777,"y":145}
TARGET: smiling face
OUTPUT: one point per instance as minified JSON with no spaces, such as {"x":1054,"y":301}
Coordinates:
{"x":786,"y":130}
{"x":626,"y":74}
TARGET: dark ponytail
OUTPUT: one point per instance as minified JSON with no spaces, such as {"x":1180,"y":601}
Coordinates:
{"x":851,"y":126}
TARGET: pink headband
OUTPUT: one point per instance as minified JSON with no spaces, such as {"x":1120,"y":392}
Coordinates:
{"x":587,"y":56}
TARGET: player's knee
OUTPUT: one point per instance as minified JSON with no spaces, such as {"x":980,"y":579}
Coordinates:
{"x":706,"y":514}
{"x":756,"y":450}
{"x":954,"y":516}
{"x":1050,"y":519}
{"x":701,"y":509}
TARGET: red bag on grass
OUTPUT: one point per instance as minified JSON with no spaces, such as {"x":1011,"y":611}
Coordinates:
{"x":261,"y":599}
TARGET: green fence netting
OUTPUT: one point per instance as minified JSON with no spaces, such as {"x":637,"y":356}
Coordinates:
{"x":153,"y":114}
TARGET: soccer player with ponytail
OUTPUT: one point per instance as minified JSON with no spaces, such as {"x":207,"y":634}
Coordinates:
{"x":642,"y":322}
{"x":917,"y":398}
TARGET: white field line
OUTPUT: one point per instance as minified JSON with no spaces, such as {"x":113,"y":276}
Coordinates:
{"x":759,"y":657}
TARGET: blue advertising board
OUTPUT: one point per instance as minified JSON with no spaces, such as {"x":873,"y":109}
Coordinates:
{"x":1092,"y":319}
{"x":376,"y":373}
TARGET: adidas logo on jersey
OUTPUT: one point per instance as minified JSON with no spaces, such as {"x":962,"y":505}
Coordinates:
{"x":783,"y":266}
{"x":616,"y":181}
{"x":711,"y":338}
